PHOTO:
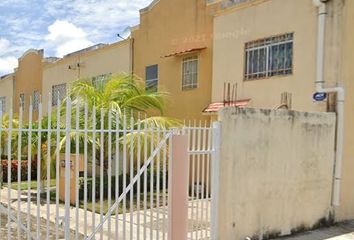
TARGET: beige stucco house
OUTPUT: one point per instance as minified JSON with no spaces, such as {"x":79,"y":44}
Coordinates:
{"x":28,"y":82}
{"x":97,"y":63}
{"x":6,"y":92}
{"x":173,"y":47}
{"x":268,"y":48}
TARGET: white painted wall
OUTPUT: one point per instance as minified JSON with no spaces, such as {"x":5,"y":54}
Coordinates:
{"x":275,"y":171}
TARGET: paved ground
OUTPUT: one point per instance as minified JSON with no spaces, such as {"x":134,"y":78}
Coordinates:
{"x":151,"y":224}
{"x":342,"y":231}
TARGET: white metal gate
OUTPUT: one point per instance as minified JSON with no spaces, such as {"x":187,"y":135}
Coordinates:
{"x":87,"y":174}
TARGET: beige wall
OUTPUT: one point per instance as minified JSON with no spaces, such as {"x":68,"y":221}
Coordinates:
{"x":244,"y":23}
{"x":167,"y":27}
{"x":114,"y":59}
{"x":7,"y":90}
{"x":28,"y":78}
{"x":346,"y":210}
{"x":275,"y":171}
{"x":231,"y":33}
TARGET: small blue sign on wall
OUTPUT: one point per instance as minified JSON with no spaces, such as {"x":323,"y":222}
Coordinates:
{"x":319,"y":96}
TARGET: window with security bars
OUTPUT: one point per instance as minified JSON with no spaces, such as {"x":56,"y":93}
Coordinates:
{"x":269,"y":57}
{"x":35,"y":99}
{"x":151,"y":77}
{"x":190,"y":73}
{"x":3,"y":104}
{"x":22,"y":100}
{"x":58,"y":93}
{"x":101,"y":80}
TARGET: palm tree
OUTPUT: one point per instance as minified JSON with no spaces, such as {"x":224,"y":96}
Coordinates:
{"x":122,"y":98}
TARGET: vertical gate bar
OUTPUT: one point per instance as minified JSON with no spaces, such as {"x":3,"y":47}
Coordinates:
{"x":190,"y":147}
{"x":131,"y":172}
{"x":164,"y":175}
{"x":152,"y":184}
{"x":93,"y":169}
{"x":194,"y":130}
{"x":85,"y":169}
{"x":169,"y":184}
{"x":29,"y":173}
{"x":39,"y":166}
{"x":178,"y":207}
{"x":124,"y":173}
{"x":101,"y":169}
{"x":77,"y":149}
{"x":158,"y":187}
{"x":138,"y":183}
{"x":9,"y":175}
{"x":199,"y":143}
{"x":19,"y":156}
{"x":203,"y":180}
{"x":208,"y":179}
{"x":215,"y":178}
{"x":57,"y":172}
{"x":117,"y":188}
{"x":145,"y":173}
{"x":109,"y":170}
{"x":49,"y":146}
{"x":67,"y":169}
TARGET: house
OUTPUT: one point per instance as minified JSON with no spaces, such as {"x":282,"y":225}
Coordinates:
{"x":96,"y":63}
{"x":6,"y":92}
{"x":172,"y":48}
{"x":269,"y":49}
{"x":28,"y":82}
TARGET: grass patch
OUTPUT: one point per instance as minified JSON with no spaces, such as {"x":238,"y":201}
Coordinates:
{"x":120,"y":209}
{"x":33,"y":184}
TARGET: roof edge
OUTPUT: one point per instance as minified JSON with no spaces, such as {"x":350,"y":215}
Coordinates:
{"x":149,"y":7}
{"x":31,"y":50}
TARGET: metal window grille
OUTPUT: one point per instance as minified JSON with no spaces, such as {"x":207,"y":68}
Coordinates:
{"x":101,"y":80}
{"x":269,"y":57}
{"x":151,"y":81}
{"x":35,"y":100}
{"x":190,"y":73}
{"x":58,"y":93}
{"x":3,"y":104}
{"x":22,"y":100}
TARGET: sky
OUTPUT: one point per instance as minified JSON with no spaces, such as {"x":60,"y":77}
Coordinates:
{"x":61,"y":26}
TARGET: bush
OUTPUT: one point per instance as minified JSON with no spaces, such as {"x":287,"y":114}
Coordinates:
{"x":113,"y":184}
{"x":14,"y":170}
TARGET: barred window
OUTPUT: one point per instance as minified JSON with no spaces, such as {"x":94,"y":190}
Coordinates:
{"x":58,"y":93}
{"x":151,"y":77}
{"x":101,"y":80}
{"x":3,"y":104}
{"x":269,"y":57}
{"x":35,"y":98}
{"x":22,"y":100}
{"x":190,"y":73}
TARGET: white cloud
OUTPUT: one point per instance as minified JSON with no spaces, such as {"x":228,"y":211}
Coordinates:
{"x":65,"y":38}
{"x":4,"y":45}
{"x":103,"y":19}
{"x":7,"y":64}
{"x":7,"y":60}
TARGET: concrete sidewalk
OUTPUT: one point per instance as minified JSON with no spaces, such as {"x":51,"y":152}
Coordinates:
{"x":341,"y":231}
{"x":149,"y":225}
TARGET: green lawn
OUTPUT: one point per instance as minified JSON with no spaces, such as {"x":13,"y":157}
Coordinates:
{"x":33,"y":184}
{"x":120,"y":209}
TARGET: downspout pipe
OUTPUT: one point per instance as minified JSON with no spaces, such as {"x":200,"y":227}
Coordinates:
{"x":320,"y":87}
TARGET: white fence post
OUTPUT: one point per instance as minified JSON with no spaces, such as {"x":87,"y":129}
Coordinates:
{"x":216,"y":131}
{"x":67,"y":169}
{"x":178,"y":205}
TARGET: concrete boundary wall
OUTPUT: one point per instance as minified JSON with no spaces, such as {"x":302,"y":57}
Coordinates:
{"x":276,"y":172}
